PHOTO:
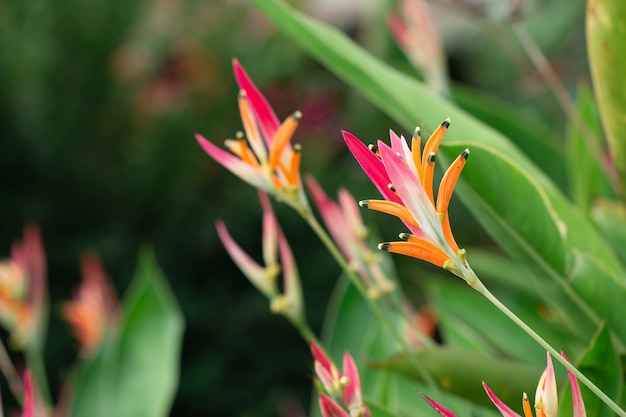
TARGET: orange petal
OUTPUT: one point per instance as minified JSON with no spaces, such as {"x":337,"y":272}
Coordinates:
{"x":427,"y":177}
{"x":449,"y":180}
{"x":390,"y":207}
{"x":251,"y":127}
{"x":282,"y":137}
{"x":433,"y":142}
{"x":418,"y":248}
{"x":416,"y":149}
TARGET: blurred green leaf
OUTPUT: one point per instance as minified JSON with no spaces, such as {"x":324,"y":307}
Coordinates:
{"x":149,"y":348}
{"x":135,"y":372}
{"x":93,"y":383}
{"x":610,"y":217}
{"x":598,"y":286}
{"x":514,"y":201}
{"x":461,"y":372}
{"x":587,"y":180}
{"x":467,"y":313}
{"x":602,"y":366}
{"x":606,"y":37}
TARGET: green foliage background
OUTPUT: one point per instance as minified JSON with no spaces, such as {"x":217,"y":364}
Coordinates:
{"x":99,"y":102}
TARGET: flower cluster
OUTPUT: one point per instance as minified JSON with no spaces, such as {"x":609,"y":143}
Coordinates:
{"x":263,"y":278}
{"x":404,"y":177}
{"x":341,"y":388}
{"x":546,"y":398}
{"x":264,"y":157}
{"x":22,"y":287}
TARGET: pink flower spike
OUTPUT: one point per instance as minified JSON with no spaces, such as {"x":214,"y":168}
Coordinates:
{"x":546,"y":398}
{"x":352,"y":397}
{"x":504,"y":409}
{"x":235,"y":165}
{"x":267,"y":119}
{"x":437,"y":407}
{"x":330,"y":408}
{"x":320,"y":356}
{"x":371,"y":165}
{"x":29,"y":398}
{"x":351,"y":213}
{"x":332,"y":216}
{"x":252,"y":270}
{"x":270,"y":230}
{"x":577,"y":398}
{"x":291,"y":280}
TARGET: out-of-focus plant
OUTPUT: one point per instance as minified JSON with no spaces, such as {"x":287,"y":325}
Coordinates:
{"x":129,"y":353}
{"x":561,"y":284}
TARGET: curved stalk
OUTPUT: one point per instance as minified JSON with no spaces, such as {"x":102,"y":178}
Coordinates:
{"x":356,"y":281}
{"x":480,"y":287}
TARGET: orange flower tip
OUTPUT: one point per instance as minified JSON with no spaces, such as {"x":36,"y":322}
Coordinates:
{"x":297,"y":115}
{"x":417,"y":133}
{"x":446,"y":123}
{"x":384,"y":246}
{"x":404,"y":236}
{"x":391,"y":187}
{"x":465,"y":154}
{"x":431,"y":158}
{"x":364,"y":203}
{"x":242,"y":93}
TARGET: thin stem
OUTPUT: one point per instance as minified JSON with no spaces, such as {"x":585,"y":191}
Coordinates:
{"x":356,"y":281}
{"x":10,"y":373}
{"x":581,"y":377}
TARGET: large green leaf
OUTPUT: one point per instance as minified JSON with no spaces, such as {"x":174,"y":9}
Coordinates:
{"x":149,"y":348}
{"x":135,"y":371}
{"x":610,"y":217}
{"x":467,"y":313}
{"x":531,"y":136}
{"x":517,"y":204}
{"x":461,"y":371}
{"x":606,"y":37}
{"x":587,"y":178}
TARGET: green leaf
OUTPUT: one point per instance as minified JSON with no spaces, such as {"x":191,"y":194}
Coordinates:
{"x":149,"y":347}
{"x":597,"y":285}
{"x":587,"y":178}
{"x":606,"y":37}
{"x":602,"y":366}
{"x":93,"y":385}
{"x":532,"y":137}
{"x":517,"y":204}
{"x":461,"y":372}
{"x":486,"y":329}
{"x":610,"y":217}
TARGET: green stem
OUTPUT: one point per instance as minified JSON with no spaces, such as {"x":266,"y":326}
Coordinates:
{"x":581,"y":377}
{"x":36,"y":365}
{"x":356,"y":281}
{"x":10,"y":373}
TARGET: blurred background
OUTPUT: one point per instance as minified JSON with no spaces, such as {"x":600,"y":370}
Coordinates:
{"x":99,"y":102}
